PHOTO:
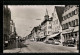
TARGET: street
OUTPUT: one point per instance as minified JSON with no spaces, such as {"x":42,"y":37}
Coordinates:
{"x":41,"y":47}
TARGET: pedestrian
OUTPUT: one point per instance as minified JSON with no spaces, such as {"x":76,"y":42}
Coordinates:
{"x":19,"y":45}
{"x":78,"y":42}
{"x":73,"y":39}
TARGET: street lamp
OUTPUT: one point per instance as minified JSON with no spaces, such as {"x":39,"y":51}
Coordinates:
{"x":16,"y":42}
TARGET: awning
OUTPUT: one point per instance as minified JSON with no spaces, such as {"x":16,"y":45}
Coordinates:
{"x":70,"y":30}
{"x":64,"y":32}
{"x":54,"y":35}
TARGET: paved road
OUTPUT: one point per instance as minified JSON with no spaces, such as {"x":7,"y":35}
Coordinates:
{"x":40,"y":47}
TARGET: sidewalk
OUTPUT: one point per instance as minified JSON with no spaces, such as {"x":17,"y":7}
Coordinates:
{"x":12,"y":48}
{"x":16,"y":50}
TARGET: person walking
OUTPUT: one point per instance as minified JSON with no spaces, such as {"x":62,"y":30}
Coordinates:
{"x":78,"y":42}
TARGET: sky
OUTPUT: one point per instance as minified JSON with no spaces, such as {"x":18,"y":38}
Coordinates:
{"x":26,"y":17}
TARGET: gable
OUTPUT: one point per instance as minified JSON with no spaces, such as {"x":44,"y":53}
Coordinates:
{"x":59,"y":11}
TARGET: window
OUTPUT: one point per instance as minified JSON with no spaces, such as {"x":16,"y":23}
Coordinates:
{"x":66,"y":16}
{"x":73,"y":23}
{"x":73,"y":12}
{"x":66,"y":25}
{"x":48,"y":32}
{"x":69,"y":24}
{"x":71,"y":6}
{"x":63,"y":17}
{"x":76,"y":11}
{"x":49,"y":27}
{"x":69,"y":15}
{"x":57,"y":21}
{"x":62,"y":27}
{"x":76,"y":22}
{"x":49,"y":22}
{"x":75,"y":33}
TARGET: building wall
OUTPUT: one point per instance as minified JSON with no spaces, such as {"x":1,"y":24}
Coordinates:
{"x":6,"y":23}
{"x":56,"y":26}
{"x":49,"y":28}
{"x":70,"y":19}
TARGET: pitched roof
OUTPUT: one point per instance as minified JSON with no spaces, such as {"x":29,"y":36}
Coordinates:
{"x":59,"y":11}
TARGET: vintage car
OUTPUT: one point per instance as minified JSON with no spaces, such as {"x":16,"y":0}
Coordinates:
{"x":57,"y":42}
{"x":68,"y":43}
{"x":49,"y":42}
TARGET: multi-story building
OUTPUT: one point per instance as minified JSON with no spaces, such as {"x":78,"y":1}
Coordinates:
{"x":12,"y":32}
{"x":56,"y":23}
{"x":34,"y":33}
{"x":46,"y":25}
{"x":56,"y":28}
{"x":6,"y":24}
{"x":70,"y":23}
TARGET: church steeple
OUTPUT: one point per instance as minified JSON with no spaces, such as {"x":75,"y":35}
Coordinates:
{"x":46,"y":15}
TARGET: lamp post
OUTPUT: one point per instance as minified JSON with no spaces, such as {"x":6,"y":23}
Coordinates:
{"x":16,"y":42}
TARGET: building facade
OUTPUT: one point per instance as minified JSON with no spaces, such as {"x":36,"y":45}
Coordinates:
{"x":46,"y":26}
{"x":13,"y":33}
{"x":6,"y":25}
{"x":34,"y":33}
{"x":70,"y":23}
{"x":56,"y":23}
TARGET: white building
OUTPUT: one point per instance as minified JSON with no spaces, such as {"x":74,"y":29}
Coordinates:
{"x":56,"y":23}
{"x":70,"y":22}
{"x":46,"y":25}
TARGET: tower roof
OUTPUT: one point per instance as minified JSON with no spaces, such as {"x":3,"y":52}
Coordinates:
{"x":46,"y":12}
{"x":59,"y":11}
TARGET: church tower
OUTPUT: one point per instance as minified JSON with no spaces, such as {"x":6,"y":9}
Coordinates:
{"x":46,"y":15}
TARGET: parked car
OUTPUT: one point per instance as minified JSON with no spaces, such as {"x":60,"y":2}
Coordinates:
{"x":68,"y":43}
{"x":49,"y":42}
{"x":31,"y":39}
{"x":57,"y":42}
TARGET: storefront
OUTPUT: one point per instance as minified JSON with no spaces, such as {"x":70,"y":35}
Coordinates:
{"x":54,"y":36}
{"x":68,"y":34}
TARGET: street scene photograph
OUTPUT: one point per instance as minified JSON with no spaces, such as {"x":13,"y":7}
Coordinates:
{"x":40,"y":28}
